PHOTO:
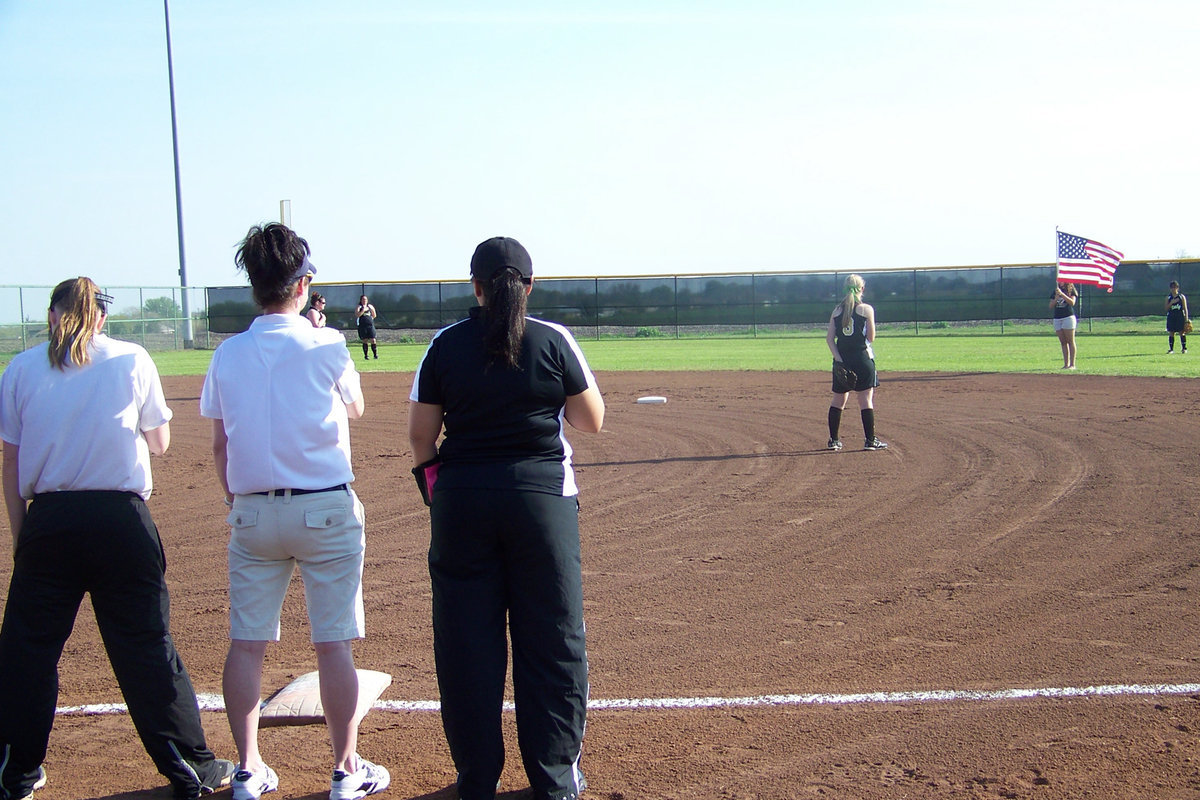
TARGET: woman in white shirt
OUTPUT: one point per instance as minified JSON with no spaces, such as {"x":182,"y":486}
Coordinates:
{"x":80,"y":416}
{"x":280,"y":396}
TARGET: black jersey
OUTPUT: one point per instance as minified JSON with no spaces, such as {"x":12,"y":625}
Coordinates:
{"x":852,"y":340}
{"x":1176,"y":321}
{"x":504,"y":426}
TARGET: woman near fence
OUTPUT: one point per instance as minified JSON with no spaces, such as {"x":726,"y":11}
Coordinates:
{"x":1063,"y":304}
{"x":1177,"y":318}
{"x":849,"y":336}
{"x":316,"y":310}
{"x":365,"y":317}
{"x":504,"y":544}
{"x":80,"y":416}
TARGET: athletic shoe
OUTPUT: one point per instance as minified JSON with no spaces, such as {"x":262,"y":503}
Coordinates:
{"x":249,"y":785}
{"x":367,"y":779}
{"x":37,"y":784}
{"x":834,"y":444}
{"x":1172,"y":351}
{"x":214,"y":775}
{"x":1185,"y":351}
{"x":874,"y":444}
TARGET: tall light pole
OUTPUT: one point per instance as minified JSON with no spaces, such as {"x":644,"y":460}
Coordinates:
{"x":188,"y":339}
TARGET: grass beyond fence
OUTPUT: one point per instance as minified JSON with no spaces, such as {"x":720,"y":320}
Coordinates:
{"x":1135,"y":355}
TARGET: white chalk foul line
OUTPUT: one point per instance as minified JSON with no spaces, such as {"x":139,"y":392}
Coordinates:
{"x":215,"y":702}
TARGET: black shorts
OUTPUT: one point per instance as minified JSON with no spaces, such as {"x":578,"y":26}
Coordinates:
{"x":863,"y":367}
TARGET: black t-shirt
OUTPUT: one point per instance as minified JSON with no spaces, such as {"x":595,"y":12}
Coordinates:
{"x":504,"y":426}
{"x":1063,"y":309}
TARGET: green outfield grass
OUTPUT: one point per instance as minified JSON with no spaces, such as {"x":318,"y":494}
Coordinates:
{"x":1140,"y":355}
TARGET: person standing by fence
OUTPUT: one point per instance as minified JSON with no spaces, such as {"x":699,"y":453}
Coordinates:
{"x":1177,"y":318}
{"x":76,"y":499}
{"x":849,"y":336}
{"x":365,"y":315}
{"x":1063,"y":303}
{"x":280,"y":396}
{"x":316,"y":310}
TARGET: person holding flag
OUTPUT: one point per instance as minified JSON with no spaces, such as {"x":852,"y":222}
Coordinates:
{"x":1078,"y":260}
{"x":1063,"y":304}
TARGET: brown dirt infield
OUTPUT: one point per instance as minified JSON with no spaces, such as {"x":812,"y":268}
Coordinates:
{"x":1022,"y":532}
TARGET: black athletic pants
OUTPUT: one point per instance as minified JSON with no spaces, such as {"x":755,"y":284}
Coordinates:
{"x":498,"y":557}
{"x":105,"y":544}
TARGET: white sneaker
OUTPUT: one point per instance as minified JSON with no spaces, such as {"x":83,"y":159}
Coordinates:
{"x":249,"y":785}
{"x":367,"y":779}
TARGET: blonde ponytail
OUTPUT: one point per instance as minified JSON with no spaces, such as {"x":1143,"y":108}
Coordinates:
{"x":77,"y":303}
{"x":854,"y":288}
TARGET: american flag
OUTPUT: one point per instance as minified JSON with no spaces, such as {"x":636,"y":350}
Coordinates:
{"x":1082,"y":260}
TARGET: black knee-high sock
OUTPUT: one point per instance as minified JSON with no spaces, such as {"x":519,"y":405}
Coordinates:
{"x":868,"y":418}
{"x":1183,"y":340}
{"x":835,"y":421}
{"x":374,"y":352}
{"x":1171,"y":340}
{"x":364,"y":344}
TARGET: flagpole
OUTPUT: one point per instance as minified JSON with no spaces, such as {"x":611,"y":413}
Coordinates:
{"x":1055,"y":256}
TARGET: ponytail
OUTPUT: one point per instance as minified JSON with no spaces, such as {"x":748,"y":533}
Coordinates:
{"x":80,"y":306}
{"x":504,"y":316}
{"x":854,"y":287}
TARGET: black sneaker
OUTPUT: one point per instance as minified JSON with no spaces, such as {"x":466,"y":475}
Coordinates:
{"x":874,"y":444}
{"x":834,"y":444}
{"x":38,"y":783}
{"x":213,"y":776}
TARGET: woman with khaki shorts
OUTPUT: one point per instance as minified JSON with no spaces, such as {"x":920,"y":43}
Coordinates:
{"x":280,"y":396}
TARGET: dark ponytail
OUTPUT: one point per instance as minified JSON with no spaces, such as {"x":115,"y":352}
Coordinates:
{"x":504,"y":316}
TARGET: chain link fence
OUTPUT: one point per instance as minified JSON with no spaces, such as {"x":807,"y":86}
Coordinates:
{"x":171,"y":318}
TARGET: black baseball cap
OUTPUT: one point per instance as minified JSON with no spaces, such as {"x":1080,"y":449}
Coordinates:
{"x":499,"y":253}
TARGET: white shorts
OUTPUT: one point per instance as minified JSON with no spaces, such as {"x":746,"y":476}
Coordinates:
{"x":1064,"y":323}
{"x":323,"y":533}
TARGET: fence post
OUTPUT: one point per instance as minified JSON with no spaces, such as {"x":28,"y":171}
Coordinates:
{"x":916,"y":322}
{"x":675,"y":283}
{"x":21,"y":303}
{"x":754,"y":305}
{"x":1001,"y":299}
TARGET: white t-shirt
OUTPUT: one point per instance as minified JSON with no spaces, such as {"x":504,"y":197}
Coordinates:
{"x":281,"y":389}
{"x":79,"y":428}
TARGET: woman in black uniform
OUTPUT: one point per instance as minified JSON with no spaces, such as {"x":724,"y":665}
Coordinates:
{"x":1177,"y":318}
{"x":505,"y":528}
{"x":851,"y":331}
{"x":365,"y":317}
{"x":316,"y":310}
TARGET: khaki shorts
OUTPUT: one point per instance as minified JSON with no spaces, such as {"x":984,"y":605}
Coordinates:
{"x":322,"y":533}
{"x":1064,"y":323}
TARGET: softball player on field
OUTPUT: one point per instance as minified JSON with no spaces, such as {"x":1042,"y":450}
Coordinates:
{"x":849,"y":336}
{"x":80,"y":416}
{"x":505,"y":528}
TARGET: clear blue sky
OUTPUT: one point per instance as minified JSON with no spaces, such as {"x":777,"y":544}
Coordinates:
{"x":610,"y":137}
